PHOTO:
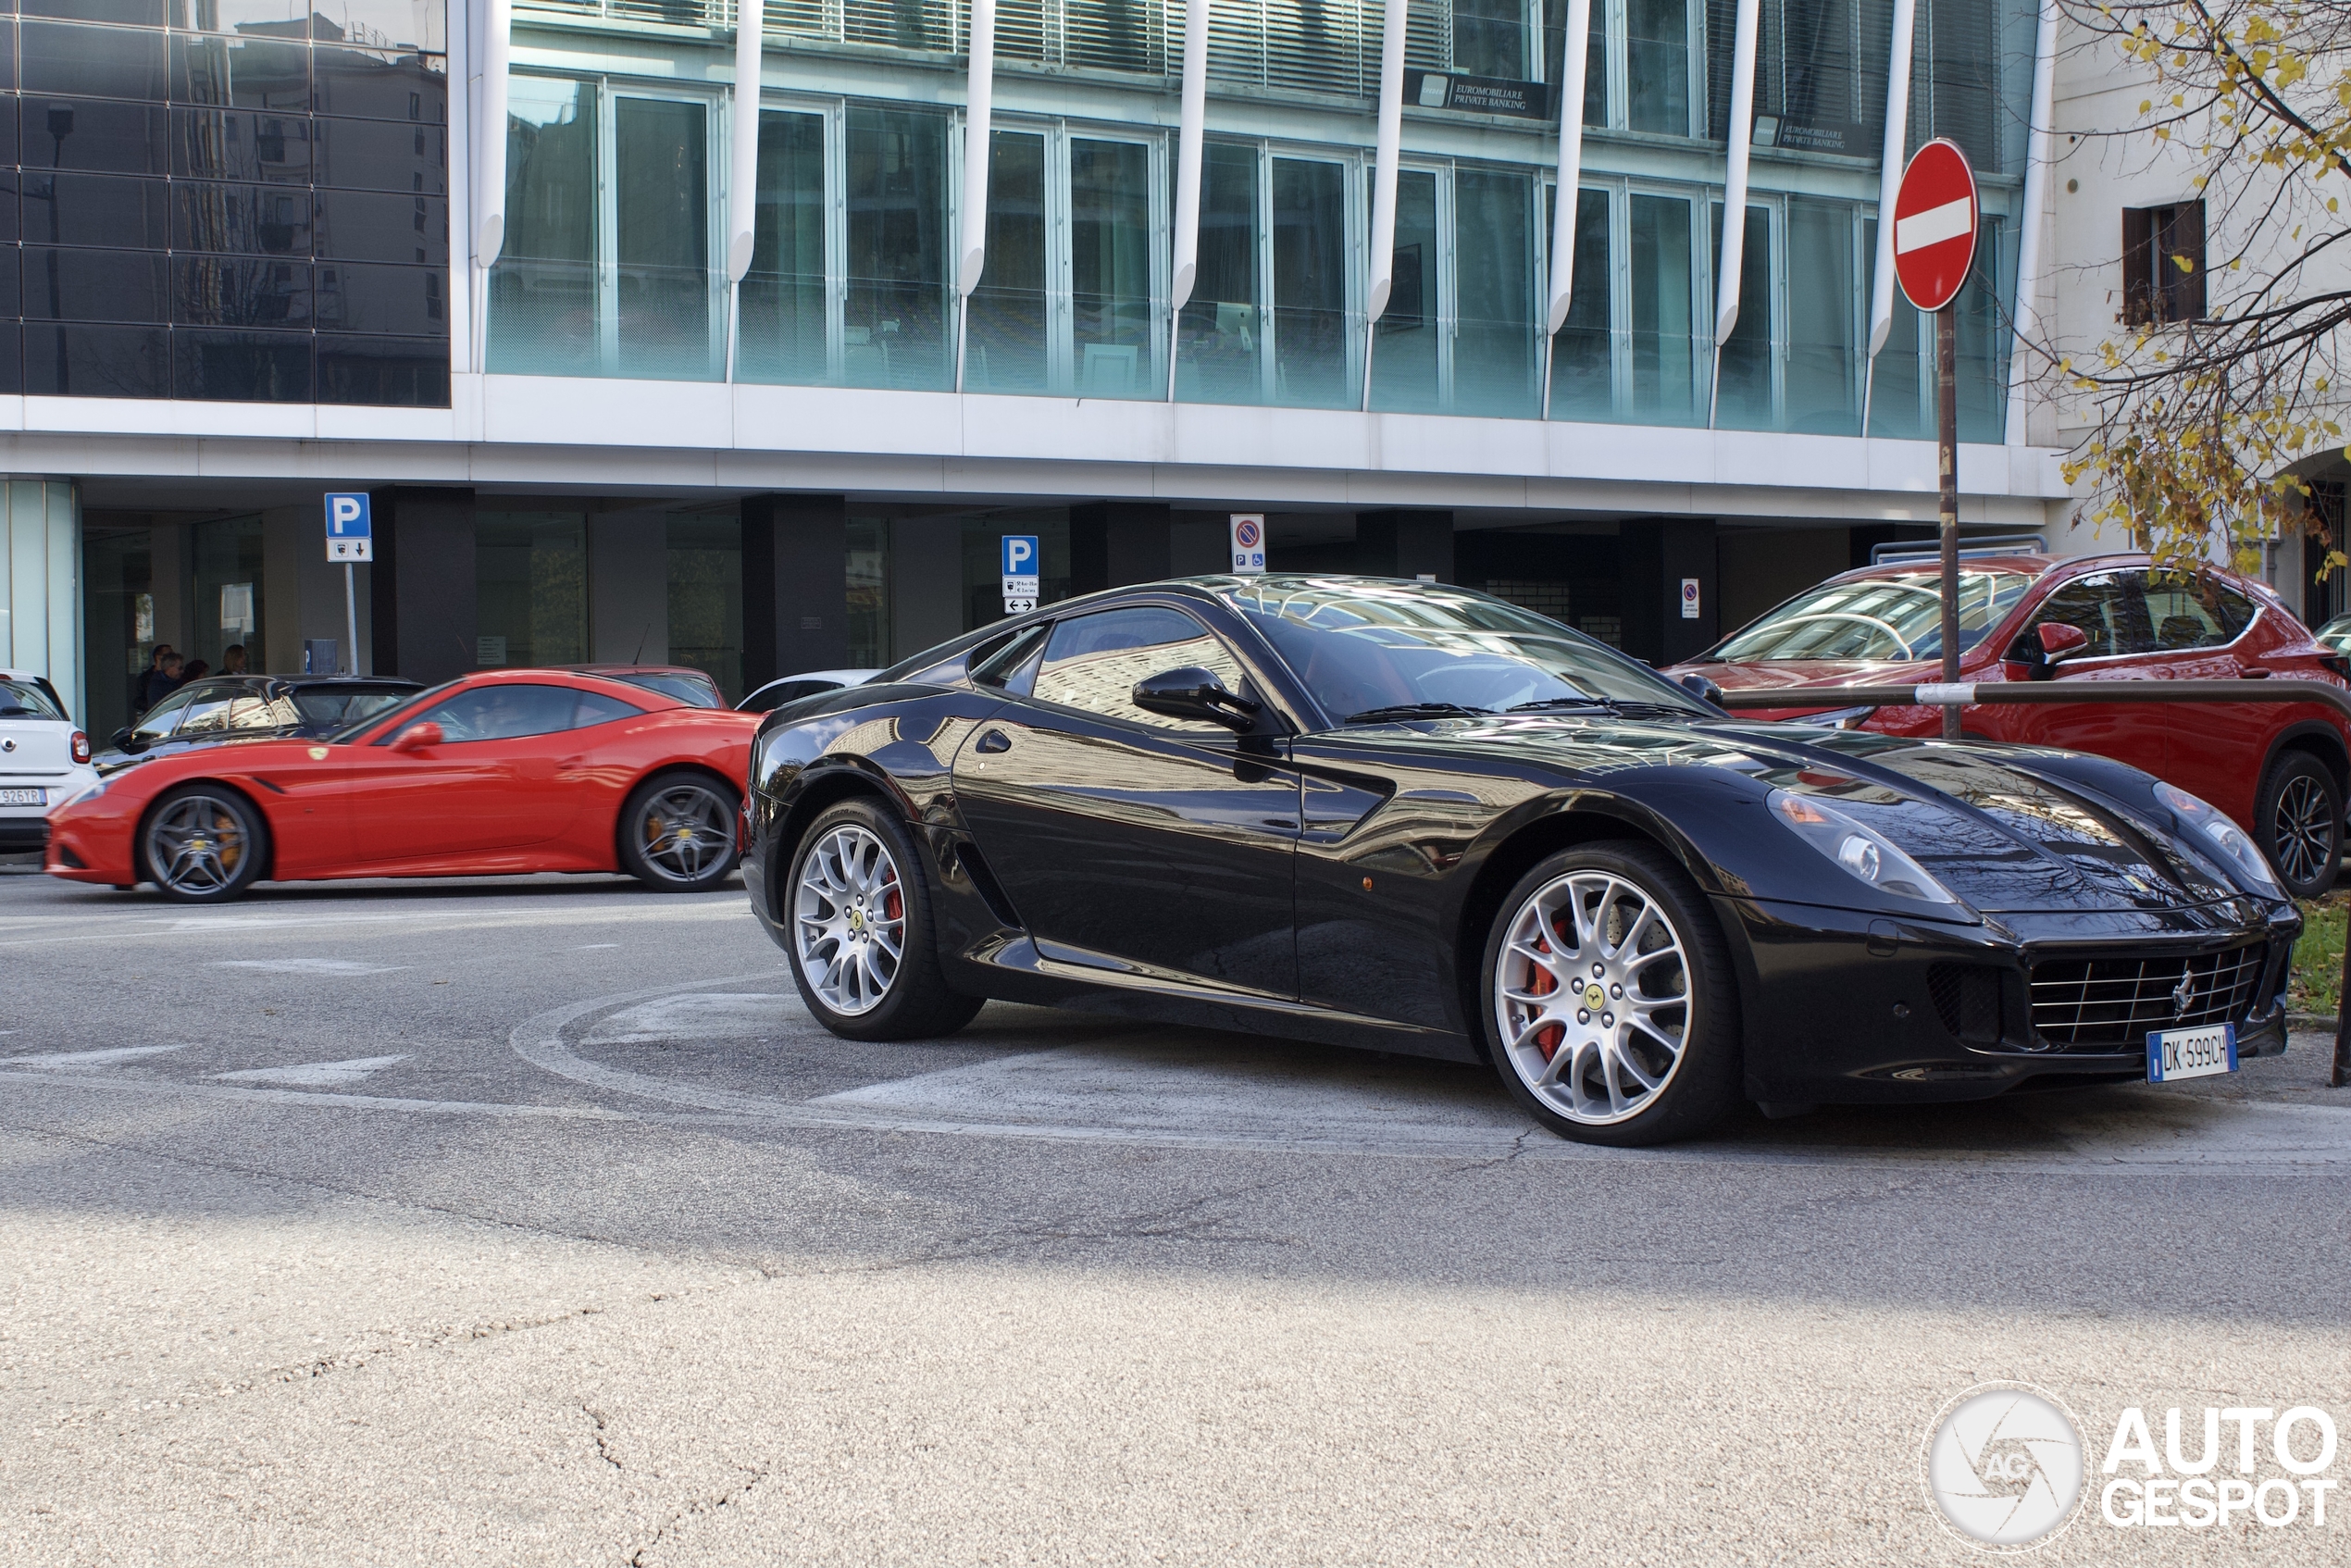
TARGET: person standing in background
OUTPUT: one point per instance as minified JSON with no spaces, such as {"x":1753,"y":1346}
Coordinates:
{"x":232,"y":659}
{"x":156,"y":681}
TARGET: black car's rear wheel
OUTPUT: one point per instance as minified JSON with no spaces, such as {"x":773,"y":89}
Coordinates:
{"x":677,"y":833}
{"x":2300,"y":816}
{"x":1610,"y":999}
{"x":857,"y":906}
{"x":202,"y":844}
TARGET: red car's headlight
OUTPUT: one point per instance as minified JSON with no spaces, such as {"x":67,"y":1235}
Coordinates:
{"x":80,"y":747}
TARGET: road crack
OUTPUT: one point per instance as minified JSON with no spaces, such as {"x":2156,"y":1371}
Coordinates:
{"x":699,"y":1508}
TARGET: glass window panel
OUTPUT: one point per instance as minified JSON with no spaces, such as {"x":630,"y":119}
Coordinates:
{"x":1110,"y":240}
{"x":241,"y":366}
{"x":75,"y":361}
{"x":1823,"y":359}
{"x":11,"y":182}
{"x":1657,"y":55}
{"x":68,"y":285}
{"x":407,"y":301}
{"x":781,"y":337}
{"x":1664,"y":352}
{"x":1310,"y":283}
{"x":1404,"y":347}
{"x":1743,"y":400}
{"x":129,"y":13}
{"x":247,"y":73}
{"x":381,"y":84}
{"x":225,"y":572}
{"x":244,"y":219}
{"x":384,"y":372}
{"x":232,"y":144}
{"x":1494,"y":363}
{"x":420,"y":25}
{"x":1220,"y":332}
{"x":868,"y":592}
{"x":1984,"y":339}
{"x":281,"y":18}
{"x":1490,"y":38}
{"x":97,"y":209}
{"x":225,"y":291}
{"x":542,"y":290}
{"x":11,"y":271}
{"x":99,"y":62}
{"x":1583,"y":355}
{"x":530,"y":581}
{"x":92,"y":133}
{"x":1900,"y":399}
{"x":10,"y":153}
{"x":11,"y":358}
{"x":664,"y":289}
{"x":895,"y":315}
{"x":374,"y":155}
{"x":706,"y":598}
{"x":1004,"y":340}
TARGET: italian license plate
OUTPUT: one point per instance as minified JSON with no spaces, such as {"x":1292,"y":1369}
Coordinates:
{"x":22,"y":797}
{"x":2190,"y":1054}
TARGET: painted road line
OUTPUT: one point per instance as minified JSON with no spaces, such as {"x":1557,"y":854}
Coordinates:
{"x":308,"y":965}
{"x":109,"y":1058}
{"x":314,"y":1075}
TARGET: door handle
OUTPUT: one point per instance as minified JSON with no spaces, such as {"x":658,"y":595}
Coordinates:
{"x":993,"y":740}
{"x":2256,"y":675}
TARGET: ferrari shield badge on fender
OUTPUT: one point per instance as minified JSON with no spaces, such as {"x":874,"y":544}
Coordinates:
{"x":317,"y":754}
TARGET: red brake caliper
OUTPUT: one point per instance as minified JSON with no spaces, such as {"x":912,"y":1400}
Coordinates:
{"x":1542,"y":983}
{"x":892,"y":905}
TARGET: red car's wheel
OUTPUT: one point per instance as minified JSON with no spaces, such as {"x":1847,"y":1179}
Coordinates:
{"x":202,"y":844}
{"x":677,"y":833}
{"x":2300,"y":821}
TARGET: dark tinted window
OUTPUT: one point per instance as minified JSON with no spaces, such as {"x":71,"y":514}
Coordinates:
{"x":102,"y":62}
{"x":400,"y":371}
{"x":96,"y":134}
{"x":699,"y":690}
{"x":26,"y":699}
{"x":597,"y":708}
{"x":323,"y":707}
{"x":506,"y":712}
{"x":98,"y":361}
{"x":70,"y":285}
{"x":2186,"y":613}
{"x":1092,"y":662}
{"x":768,"y":699}
{"x":2106,"y":609}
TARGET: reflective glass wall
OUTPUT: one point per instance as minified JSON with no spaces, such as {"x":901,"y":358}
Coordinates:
{"x":241,"y":200}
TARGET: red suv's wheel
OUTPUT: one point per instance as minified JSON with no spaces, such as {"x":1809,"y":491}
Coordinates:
{"x":2299,"y":818}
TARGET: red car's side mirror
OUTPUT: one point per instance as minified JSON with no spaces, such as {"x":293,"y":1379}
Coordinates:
{"x":416,"y":737}
{"x":2059,"y":641}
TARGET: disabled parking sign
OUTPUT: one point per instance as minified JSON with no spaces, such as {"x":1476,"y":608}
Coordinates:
{"x":1020,"y":573}
{"x":1248,"y":541}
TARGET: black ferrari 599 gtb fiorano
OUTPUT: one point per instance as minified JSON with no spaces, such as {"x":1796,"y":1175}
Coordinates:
{"x":1412,"y":817}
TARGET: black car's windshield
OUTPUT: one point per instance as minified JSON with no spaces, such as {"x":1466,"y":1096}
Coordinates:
{"x":1370,"y":649}
{"x":1896,"y":617}
{"x":352,"y":727}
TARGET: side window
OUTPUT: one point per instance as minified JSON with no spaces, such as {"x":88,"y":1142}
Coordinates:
{"x":597,"y":708}
{"x":1093,"y":662}
{"x":2186,"y":613}
{"x":207,"y":713}
{"x":165,"y":715}
{"x":504,"y":713}
{"x":2095,"y":606}
{"x":249,"y":711}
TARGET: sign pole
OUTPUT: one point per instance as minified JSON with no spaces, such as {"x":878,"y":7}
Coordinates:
{"x":1947,"y":438}
{"x":351,"y":614}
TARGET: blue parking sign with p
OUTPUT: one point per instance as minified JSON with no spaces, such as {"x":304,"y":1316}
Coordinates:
{"x":350,"y":528}
{"x":1020,"y":554}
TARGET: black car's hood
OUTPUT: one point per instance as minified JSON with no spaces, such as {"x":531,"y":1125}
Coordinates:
{"x":2006,"y":828}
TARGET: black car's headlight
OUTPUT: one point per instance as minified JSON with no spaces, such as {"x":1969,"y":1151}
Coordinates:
{"x":1860,"y":852}
{"x":2224,"y":834}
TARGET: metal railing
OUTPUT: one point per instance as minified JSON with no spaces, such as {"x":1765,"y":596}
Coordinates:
{"x":2032,"y":693}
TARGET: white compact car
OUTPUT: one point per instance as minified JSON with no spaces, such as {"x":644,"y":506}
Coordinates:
{"x":792,"y":688}
{"x":44,"y":761}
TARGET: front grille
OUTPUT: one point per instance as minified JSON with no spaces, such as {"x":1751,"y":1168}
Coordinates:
{"x":1967,"y":998}
{"x":2111,"y":1003}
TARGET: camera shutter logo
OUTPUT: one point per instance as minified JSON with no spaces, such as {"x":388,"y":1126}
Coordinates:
{"x":2004,"y":1466}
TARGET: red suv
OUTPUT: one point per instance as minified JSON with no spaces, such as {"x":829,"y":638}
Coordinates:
{"x":2280,"y":769}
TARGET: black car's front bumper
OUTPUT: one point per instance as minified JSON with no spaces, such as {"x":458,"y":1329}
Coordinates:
{"x":1843,"y":1007}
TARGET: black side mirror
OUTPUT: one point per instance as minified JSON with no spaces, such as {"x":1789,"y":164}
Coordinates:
{"x":1698,"y":686}
{"x":1195,"y":693}
{"x":121,"y":742}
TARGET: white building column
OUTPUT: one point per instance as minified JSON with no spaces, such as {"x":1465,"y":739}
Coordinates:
{"x":1570,"y":168}
{"x":2041,"y":133}
{"x":1191,"y":124}
{"x":742,"y":165}
{"x":1727,"y":276}
{"x":1890,"y":161}
{"x":1387,"y":151}
{"x":41,"y":583}
{"x":490,"y":163}
{"x":971,"y":250}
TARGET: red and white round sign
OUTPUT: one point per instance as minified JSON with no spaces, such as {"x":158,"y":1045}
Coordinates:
{"x":1934,"y":222}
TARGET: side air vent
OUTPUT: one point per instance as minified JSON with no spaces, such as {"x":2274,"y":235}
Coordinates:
{"x":991,"y":892}
{"x":1967,"y":997}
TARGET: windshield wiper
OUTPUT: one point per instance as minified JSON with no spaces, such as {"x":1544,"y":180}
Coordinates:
{"x":1417,"y":710}
{"x":1624,"y":707}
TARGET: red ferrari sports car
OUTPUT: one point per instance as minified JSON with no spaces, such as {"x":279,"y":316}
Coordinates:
{"x":494,"y":774}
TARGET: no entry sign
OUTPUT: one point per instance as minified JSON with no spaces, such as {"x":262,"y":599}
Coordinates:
{"x":1935,"y":223}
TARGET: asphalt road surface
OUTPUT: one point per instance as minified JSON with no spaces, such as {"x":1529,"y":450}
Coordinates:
{"x":535,"y":1222}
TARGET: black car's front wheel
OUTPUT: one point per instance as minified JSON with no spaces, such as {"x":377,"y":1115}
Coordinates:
{"x":202,"y":844}
{"x":2300,"y":814}
{"x":857,"y":909}
{"x":1610,"y":999}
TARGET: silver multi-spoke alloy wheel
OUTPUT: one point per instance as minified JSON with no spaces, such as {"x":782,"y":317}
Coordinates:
{"x":2301,"y":830}
{"x":1592,"y":996}
{"x":685,"y":830}
{"x":849,"y":919}
{"x":196,"y":846}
